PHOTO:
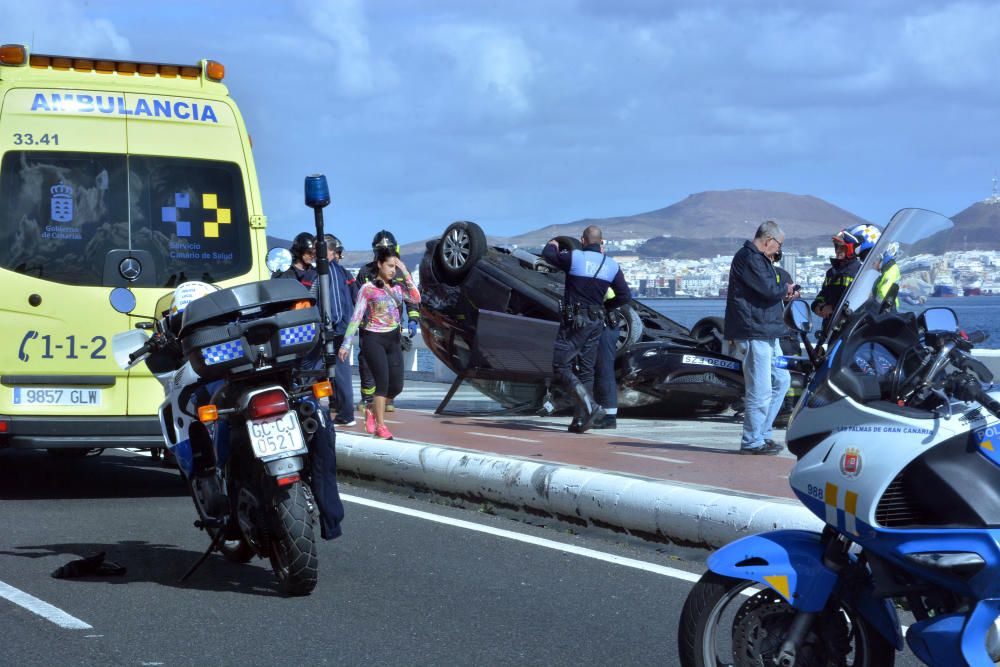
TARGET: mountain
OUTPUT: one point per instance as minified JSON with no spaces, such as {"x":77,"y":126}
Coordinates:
{"x":710,"y":223}
{"x":976,"y":227}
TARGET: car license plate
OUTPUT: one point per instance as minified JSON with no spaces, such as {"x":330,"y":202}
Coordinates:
{"x":68,"y":396}
{"x":276,"y":435}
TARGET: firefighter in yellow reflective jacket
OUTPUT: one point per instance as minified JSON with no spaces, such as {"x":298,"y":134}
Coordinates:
{"x":888,"y":274}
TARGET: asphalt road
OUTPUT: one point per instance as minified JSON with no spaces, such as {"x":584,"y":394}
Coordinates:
{"x":408,"y":584}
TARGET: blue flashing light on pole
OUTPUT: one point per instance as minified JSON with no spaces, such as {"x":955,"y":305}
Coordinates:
{"x":317,"y":191}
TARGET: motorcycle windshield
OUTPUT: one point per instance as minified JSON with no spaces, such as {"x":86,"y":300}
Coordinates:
{"x":913,"y":253}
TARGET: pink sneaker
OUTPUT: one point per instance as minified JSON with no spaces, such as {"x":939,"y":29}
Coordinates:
{"x":369,"y":420}
{"x":383,"y":433}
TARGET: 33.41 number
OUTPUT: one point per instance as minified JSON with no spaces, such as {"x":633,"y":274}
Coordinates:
{"x":28,"y":139}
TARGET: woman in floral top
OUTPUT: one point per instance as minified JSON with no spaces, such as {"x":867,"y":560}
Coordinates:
{"x":379,"y":308}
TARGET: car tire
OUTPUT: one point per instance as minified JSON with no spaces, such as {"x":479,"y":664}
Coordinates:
{"x":710,"y":326}
{"x":630,"y":329}
{"x":461,"y":246}
{"x":568,"y":243}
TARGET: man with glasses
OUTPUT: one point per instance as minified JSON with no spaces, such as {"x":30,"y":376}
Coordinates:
{"x":754,"y":323}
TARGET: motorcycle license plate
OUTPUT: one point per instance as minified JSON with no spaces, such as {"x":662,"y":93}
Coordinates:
{"x":276,"y":435}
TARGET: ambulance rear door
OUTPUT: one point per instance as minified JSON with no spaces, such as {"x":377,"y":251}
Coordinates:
{"x":190,"y":206}
{"x":63,"y":233}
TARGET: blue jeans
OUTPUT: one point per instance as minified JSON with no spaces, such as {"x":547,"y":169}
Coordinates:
{"x":766,"y":387}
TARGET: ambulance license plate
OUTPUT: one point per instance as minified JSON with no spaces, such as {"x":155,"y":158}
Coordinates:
{"x":60,"y":396}
{"x":276,"y":435}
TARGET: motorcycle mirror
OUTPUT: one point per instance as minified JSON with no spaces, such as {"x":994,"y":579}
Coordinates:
{"x":122,"y":300}
{"x":797,"y":316}
{"x":278,"y":260}
{"x":938,"y":319}
{"x":124,"y":344}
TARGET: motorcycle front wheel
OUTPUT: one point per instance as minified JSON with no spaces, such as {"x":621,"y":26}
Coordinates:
{"x":293,"y":543}
{"x":737,"y":622}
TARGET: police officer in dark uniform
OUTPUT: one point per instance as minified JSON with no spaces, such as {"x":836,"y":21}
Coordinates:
{"x":303,"y":255}
{"x":589,"y":273}
{"x":383,"y":239}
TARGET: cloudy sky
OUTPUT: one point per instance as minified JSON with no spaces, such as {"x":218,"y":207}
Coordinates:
{"x":522,"y":113}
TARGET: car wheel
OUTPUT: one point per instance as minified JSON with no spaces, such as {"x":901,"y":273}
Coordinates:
{"x":710,"y":328}
{"x":460,"y":247}
{"x":568,"y":243}
{"x":630,"y":329}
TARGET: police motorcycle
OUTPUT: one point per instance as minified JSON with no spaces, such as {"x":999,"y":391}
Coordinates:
{"x":231,"y":418}
{"x":898,"y":444}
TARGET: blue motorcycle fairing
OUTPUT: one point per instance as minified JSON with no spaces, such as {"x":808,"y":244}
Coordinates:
{"x":974,"y":635}
{"x":955,"y":639}
{"x":789,"y":561}
{"x":184,"y":456}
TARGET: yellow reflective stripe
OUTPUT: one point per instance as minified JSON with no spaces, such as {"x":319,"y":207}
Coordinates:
{"x":851,"y":502}
{"x":831,"y":494}
{"x":780,"y":584}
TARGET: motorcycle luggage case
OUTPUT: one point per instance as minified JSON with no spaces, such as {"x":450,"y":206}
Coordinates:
{"x":249,"y":327}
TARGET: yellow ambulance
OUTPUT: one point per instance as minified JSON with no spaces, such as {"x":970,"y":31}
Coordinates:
{"x":113,"y":174}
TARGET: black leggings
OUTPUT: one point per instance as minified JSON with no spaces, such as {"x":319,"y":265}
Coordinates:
{"x":384,"y":356}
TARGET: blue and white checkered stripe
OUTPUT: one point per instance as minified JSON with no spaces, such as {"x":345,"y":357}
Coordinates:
{"x":217,"y":354}
{"x":304,"y":333}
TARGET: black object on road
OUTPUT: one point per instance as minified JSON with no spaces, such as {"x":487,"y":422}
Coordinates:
{"x":94,"y":565}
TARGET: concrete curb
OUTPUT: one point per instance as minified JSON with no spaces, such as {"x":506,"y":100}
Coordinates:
{"x":686,"y":515}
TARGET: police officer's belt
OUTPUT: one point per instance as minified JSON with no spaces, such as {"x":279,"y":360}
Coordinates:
{"x":571,"y":311}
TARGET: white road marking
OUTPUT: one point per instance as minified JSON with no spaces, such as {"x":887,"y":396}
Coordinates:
{"x":650,"y":456}
{"x":528,"y":539}
{"x":42,"y":608}
{"x":502,"y":437}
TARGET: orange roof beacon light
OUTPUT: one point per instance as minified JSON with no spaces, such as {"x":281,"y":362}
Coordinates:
{"x":215,"y":70}
{"x":13,"y":54}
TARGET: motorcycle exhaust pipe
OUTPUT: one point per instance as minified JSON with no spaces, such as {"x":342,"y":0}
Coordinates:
{"x":307,"y":409}
{"x":310,"y":425}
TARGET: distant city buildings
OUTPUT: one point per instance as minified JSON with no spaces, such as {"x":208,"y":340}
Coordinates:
{"x":958,"y":273}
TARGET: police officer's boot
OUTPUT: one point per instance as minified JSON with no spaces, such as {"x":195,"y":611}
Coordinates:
{"x":577,"y":423}
{"x":590,"y":411}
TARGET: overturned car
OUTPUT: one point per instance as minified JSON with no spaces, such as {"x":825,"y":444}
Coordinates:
{"x":490,"y":314}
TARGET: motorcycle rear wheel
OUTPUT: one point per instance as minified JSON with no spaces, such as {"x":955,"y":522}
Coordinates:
{"x":737,"y":622}
{"x":293,"y":543}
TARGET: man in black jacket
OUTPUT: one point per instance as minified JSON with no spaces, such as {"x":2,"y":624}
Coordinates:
{"x":754,"y":308}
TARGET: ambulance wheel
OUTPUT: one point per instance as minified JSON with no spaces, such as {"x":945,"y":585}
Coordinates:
{"x":461,"y":246}
{"x":709,"y":328}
